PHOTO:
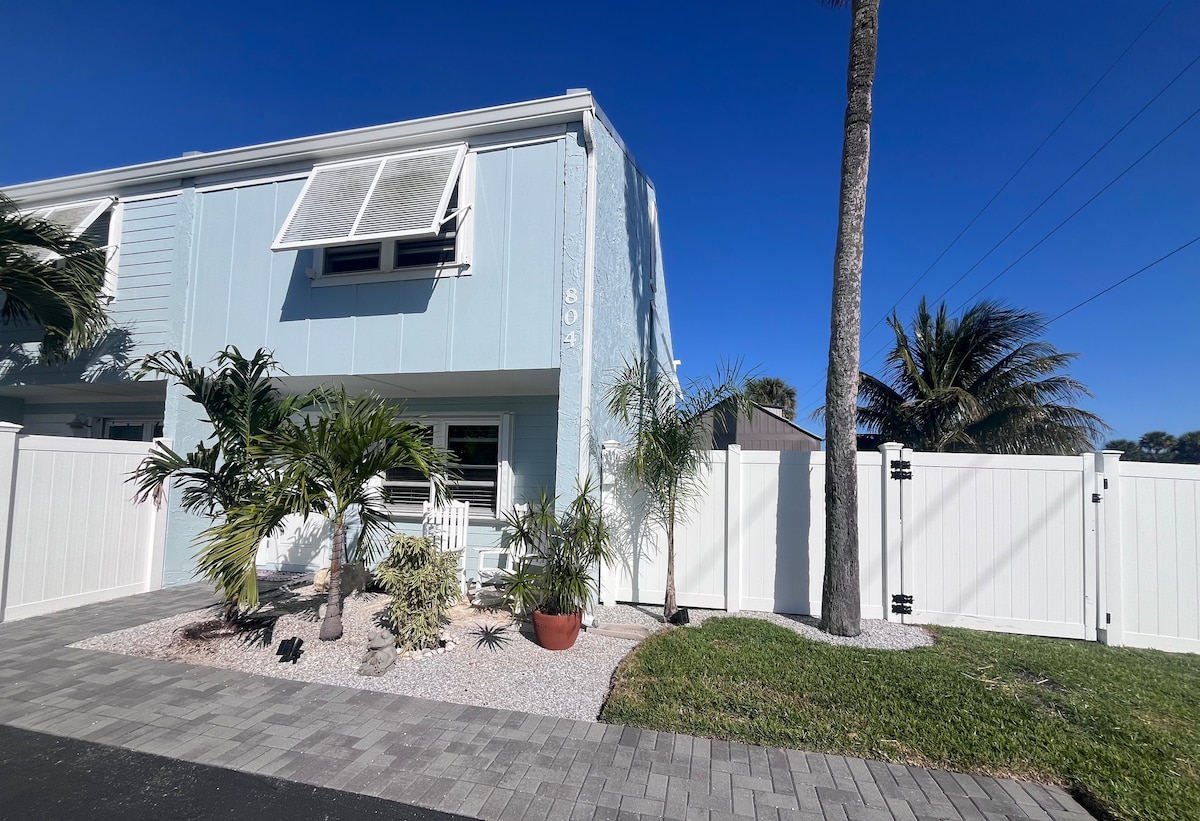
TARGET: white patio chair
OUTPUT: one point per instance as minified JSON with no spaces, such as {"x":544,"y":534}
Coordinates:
{"x":446,"y":524}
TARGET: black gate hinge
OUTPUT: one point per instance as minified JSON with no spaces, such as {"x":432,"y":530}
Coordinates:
{"x":901,"y":469}
{"x":902,"y":604}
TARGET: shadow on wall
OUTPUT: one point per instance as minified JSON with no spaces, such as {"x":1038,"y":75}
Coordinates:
{"x":106,"y":361}
{"x":641,"y":253}
{"x":305,"y":545}
{"x":794,"y":526}
{"x":630,"y":521}
{"x":304,"y":300}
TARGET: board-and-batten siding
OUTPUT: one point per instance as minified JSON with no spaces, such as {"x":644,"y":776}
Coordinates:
{"x":148,"y":238}
{"x":503,"y":315}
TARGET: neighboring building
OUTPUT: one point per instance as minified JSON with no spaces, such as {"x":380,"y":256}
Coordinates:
{"x":490,"y":269}
{"x":763,"y":429}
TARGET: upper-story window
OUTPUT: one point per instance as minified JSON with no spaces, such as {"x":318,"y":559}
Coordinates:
{"x":403,"y":215}
{"x":96,"y":220}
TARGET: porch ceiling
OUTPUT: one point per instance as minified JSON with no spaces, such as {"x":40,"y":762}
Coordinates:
{"x":540,"y":382}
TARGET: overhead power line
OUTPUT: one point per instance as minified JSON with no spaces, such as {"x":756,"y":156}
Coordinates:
{"x":1077,"y":211}
{"x":1070,"y":177}
{"x":1030,"y":158}
{"x":1121,"y":282}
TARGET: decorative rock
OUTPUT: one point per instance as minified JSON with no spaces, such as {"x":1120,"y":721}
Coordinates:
{"x":450,"y":645}
{"x":377,"y":661}
{"x":441,"y":650}
{"x":378,"y":639}
{"x":354,"y":579}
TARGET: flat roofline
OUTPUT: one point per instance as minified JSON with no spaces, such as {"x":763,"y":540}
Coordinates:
{"x":377,"y":139}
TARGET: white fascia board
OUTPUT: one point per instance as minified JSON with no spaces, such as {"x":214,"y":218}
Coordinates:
{"x":379,"y":139}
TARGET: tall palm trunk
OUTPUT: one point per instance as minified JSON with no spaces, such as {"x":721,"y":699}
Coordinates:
{"x":840,"y":604}
{"x":670,"y":608}
{"x":331,"y":627}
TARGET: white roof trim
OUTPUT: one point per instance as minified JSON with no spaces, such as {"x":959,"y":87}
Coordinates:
{"x":340,"y":145}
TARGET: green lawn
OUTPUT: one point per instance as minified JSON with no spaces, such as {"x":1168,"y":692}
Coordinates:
{"x":1120,"y":727}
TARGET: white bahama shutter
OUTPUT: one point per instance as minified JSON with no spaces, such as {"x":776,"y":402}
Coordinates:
{"x":398,"y":195}
{"x":74,"y":218}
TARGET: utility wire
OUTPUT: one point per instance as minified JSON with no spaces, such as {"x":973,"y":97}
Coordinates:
{"x":1120,"y":282}
{"x":1076,"y":212}
{"x":1021,"y":168}
{"x":1072,"y":176}
{"x":1029,"y":159}
{"x":1056,"y":228}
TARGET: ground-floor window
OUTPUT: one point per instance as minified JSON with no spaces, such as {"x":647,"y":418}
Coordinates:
{"x":480,"y":476}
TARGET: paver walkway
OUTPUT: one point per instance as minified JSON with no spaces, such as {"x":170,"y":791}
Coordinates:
{"x":473,"y":761}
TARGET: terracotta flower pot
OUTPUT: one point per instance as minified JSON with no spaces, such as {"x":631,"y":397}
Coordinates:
{"x":556,"y":632}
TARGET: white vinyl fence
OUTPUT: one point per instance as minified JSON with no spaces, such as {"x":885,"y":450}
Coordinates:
{"x":1084,"y":547}
{"x":72,"y":533}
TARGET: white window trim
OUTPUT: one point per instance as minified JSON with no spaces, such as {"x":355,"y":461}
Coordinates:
{"x":504,"y":472}
{"x":464,"y":244}
{"x":144,"y":421}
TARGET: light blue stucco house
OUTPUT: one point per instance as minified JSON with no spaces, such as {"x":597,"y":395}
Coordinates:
{"x":490,"y":269}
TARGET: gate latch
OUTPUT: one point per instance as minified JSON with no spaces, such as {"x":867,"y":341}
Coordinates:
{"x":1096,"y":498}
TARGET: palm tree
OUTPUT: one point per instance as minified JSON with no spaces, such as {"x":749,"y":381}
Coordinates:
{"x":773,"y":392}
{"x":224,"y":476}
{"x":840,"y":597}
{"x":1131,"y":451}
{"x":1158,"y":444}
{"x":980,"y":383}
{"x":49,"y":277}
{"x":327,"y":466}
{"x":670,"y":441}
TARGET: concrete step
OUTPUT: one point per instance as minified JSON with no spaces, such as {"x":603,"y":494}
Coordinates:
{"x":632,"y":632}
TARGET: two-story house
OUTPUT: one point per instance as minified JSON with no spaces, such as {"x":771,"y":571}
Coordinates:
{"x":488,"y":269}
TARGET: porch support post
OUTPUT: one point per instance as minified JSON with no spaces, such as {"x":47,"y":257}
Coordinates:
{"x":733,"y":529}
{"x":891,"y":533}
{"x":608,"y":466}
{"x":8,"y":483}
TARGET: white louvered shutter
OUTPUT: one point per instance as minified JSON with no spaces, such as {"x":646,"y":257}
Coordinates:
{"x":400,"y":195}
{"x":74,"y":218}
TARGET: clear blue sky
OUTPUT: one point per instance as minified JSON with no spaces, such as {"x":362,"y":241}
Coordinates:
{"x":735,"y":112}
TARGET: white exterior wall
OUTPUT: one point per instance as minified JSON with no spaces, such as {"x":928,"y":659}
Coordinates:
{"x":1083,"y":547}
{"x":74,"y":534}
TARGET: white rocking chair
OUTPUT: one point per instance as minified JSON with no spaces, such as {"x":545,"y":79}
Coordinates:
{"x":447,"y":525}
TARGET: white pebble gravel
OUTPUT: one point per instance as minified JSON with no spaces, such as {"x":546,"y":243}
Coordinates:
{"x":516,"y":675}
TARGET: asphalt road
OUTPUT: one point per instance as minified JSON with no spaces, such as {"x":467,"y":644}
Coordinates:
{"x":48,"y":777}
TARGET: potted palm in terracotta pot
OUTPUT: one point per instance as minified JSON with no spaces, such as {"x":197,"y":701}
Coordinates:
{"x":555,"y":580}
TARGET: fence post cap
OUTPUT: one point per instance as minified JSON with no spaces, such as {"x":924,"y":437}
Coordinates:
{"x":610,"y":444}
{"x":892,"y":446}
{"x":11,"y":427}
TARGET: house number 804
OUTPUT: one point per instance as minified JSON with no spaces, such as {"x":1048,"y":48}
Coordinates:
{"x":570,"y":316}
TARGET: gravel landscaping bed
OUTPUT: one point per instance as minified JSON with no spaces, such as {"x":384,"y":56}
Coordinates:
{"x":490,"y":660}
{"x":876,"y":634}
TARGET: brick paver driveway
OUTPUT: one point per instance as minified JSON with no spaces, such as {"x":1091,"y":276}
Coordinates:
{"x":476,"y":762}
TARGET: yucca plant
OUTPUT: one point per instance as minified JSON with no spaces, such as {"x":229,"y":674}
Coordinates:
{"x":556,"y":576}
{"x":422,"y":581}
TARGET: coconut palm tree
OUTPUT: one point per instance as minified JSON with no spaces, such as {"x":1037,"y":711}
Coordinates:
{"x":327,"y":465}
{"x":223,"y":476}
{"x":773,"y":392}
{"x":982,"y":382}
{"x":49,"y":277}
{"x":840,"y":597}
{"x":670,"y":441}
